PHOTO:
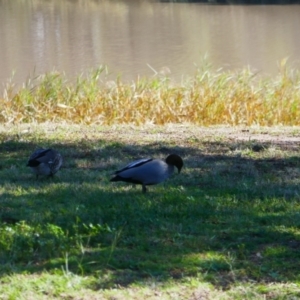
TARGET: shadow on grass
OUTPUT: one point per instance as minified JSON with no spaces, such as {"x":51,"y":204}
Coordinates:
{"x":232,"y":215}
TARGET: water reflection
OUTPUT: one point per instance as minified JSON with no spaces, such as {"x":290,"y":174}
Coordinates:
{"x":136,"y":37}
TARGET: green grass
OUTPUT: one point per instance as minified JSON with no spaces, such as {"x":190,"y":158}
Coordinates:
{"x":228,"y":227}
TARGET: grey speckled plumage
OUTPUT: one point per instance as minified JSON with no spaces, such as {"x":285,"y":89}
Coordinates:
{"x":149,"y":171}
{"x":45,"y":162}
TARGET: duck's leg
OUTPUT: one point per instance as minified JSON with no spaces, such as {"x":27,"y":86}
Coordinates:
{"x":144,"y":189}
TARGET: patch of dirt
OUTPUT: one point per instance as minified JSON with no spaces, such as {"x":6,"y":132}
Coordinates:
{"x":178,"y":133}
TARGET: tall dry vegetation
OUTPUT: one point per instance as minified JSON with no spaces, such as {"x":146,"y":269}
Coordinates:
{"x":209,"y":98}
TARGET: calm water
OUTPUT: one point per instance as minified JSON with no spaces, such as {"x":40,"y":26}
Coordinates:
{"x":133,"y":37}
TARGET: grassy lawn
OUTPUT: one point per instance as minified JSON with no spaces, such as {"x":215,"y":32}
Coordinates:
{"x":227,"y":227}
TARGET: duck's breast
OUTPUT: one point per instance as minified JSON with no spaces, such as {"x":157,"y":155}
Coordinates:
{"x":42,"y":169}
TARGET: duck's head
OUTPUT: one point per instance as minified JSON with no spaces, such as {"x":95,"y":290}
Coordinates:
{"x":175,"y":160}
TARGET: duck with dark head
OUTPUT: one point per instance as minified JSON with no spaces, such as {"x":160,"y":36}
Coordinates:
{"x":149,"y":171}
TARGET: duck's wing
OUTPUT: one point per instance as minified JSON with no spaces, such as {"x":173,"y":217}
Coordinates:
{"x":37,"y":157}
{"x":135,"y":164}
{"x":55,"y":162}
{"x":38,"y":153}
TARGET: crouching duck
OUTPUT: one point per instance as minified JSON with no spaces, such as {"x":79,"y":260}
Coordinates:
{"x":45,"y":162}
{"x":149,"y":171}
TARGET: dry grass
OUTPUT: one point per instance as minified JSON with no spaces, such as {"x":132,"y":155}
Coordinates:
{"x":209,"y":98}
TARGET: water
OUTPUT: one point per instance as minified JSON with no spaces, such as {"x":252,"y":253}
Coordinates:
{"x":139,"y":38}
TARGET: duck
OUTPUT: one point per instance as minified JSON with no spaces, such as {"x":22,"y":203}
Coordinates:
{"x":148,"y":171}
{"x":45,"y":162}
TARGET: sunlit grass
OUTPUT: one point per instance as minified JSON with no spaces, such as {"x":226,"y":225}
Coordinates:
{"x":208,"y":98}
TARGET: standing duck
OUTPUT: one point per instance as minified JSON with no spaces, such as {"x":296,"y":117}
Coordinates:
{"x":45,"y":162}
{"x":149,"y":171}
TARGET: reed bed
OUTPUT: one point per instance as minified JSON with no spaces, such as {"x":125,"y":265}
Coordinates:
{"x":208,"y":98}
